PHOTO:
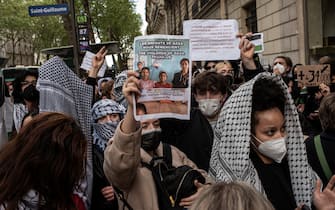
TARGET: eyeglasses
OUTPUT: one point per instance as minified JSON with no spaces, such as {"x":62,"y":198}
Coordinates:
{"x":25,"y":83}
{"x":210,"y":67}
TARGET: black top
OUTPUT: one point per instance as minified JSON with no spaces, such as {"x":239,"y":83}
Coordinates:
{"x":328,"y":144}
{"x":276,"y":181}
{"x":180,"y":81}
{"x":99,"y":182}
{"x":194,"y":137}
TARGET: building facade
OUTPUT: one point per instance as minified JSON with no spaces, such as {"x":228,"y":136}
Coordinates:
{"x":303,"y":30}
{"x":19,"y":54}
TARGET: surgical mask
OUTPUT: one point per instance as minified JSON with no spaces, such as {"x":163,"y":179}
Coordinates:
{"x":151,"y":139}
{"x":209,"y":107}
{"x":274,"y":149}
{"x":280,"y":68}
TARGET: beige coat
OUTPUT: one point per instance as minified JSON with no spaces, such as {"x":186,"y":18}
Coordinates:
{"x":123,"y":168}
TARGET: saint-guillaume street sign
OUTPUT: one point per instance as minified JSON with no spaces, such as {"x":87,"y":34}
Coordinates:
{"x":44,"y":10}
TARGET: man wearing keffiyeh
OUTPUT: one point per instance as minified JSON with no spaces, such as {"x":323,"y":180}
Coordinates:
{"x":106,"y":115}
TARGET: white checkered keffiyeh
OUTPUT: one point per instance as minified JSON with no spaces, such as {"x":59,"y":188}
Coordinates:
{"x":230,"y":154}
{"x":103,"y":132}
{"x":62,"y":91}
{"x":117,"y":88}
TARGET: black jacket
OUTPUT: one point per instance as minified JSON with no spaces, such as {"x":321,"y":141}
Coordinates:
{"x":194,"y":137}
{"x":328,"y":145}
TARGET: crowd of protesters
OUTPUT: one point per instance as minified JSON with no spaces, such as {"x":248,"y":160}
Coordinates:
{"x":77,"y":144}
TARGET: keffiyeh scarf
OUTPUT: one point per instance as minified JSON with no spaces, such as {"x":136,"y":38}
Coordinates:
{"x":31,"y":201}
{"x":102,"y":132}
{"x":117,"y":88}
{"x":230,"y":154}
{"x":102,"y":80}
{"x":61,"y":90}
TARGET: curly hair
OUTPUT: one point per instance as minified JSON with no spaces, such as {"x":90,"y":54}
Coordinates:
{"x":209,"y":81}
{"x":266,"y":95}
{"x":48,"y":156}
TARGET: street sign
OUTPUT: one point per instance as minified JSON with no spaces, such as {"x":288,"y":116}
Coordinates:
{"x":44,"y":10}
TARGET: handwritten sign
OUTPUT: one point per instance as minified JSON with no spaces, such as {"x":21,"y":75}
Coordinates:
{"x":313,"y":75}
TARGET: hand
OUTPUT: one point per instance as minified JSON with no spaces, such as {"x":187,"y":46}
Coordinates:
{"x":108,"y":193}
{"x":325,"y":90}
{"x":97,"y":62}
{"x":313,"y":116}
{"x":247,"y":51}
{"x":187,"y":202}
{"x":131,"y":86}
{"x":324,"y":200}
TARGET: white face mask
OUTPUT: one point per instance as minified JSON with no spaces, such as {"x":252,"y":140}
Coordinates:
{"x":274,"y":149}
{"x":209,"y":107}
{"x":280,"y":68}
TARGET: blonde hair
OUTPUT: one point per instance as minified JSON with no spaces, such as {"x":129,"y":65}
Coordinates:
{"x":232,"y":196}
{"x":222,"y":64}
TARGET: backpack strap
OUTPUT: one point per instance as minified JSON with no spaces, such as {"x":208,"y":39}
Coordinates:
{"x":167,"y":154}
{"x":120,"y":194}
{"x":322,"y":157}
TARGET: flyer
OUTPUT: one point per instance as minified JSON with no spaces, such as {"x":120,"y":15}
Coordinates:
{"x":212,"y":39}
{"x":165,"y":80}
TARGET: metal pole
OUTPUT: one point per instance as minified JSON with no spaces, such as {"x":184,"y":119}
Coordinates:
{"x":75,"y":38}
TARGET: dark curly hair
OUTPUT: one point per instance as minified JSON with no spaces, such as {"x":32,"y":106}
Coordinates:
{"x":266,"y":95}
{"x":209,"y":81}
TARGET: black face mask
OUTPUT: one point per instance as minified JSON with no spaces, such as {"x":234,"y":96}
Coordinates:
{"x":31,"y":94}
{"x":151,"y":140}
{"x":229,"y":80}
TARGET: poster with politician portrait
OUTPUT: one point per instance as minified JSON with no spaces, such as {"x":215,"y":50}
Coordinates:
{"x":165,"y":78}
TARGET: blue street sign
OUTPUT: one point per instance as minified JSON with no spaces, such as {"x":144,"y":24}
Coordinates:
{"x":43,"y":10}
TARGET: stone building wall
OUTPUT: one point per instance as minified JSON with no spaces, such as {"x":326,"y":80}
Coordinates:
{"x":293,"y":28}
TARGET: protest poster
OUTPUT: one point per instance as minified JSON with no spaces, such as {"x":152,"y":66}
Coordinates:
{"x":166,"y":91}
{"x":212,"y":39}
{"x":313,"y":75}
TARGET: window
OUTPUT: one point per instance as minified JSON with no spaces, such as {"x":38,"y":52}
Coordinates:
{"x":251,"y":17}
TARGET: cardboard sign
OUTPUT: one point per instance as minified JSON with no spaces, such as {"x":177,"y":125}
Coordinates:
{"x":313,"y":75}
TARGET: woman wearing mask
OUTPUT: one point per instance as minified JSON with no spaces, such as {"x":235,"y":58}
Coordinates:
{"x":259,"y":140}
{"x":26,"y":96}
{"x":42,"y":166}
{"x":106,"y":115}
{"x":135,"y":144}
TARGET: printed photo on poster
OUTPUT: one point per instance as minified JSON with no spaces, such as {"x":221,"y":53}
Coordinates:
{"x":163,"y":64}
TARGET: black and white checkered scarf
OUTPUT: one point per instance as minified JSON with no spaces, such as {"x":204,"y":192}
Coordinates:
{"x":103,"y":132}
{"x":61,"y":90}
{"x":117,"y":88}
{"x":230,"y":154}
